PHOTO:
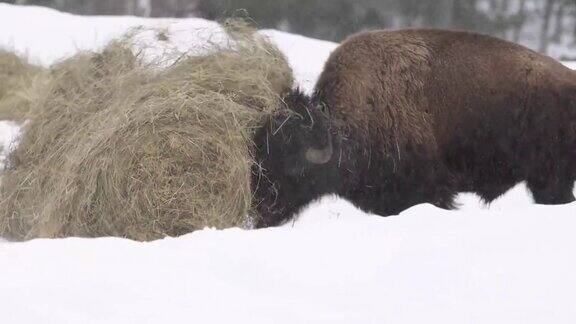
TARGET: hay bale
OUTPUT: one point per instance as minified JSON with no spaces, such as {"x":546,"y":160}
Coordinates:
{"x":20,"y":85}
{"x":124,"y":148}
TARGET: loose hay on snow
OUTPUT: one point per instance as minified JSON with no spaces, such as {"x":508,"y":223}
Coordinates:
{"x":123,"y":148}
{"x":20,"y":85}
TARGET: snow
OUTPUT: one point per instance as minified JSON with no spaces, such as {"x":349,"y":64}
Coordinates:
{"x":510,"y":262}
{"x":335,"y":265}
{"x":571,"y":65}
{"x":46,"y":35}
{"x":8,"y":134}
{"x":306,"y":55}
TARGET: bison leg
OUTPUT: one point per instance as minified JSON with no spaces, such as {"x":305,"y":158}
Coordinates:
{"x":395,"y":201}
{"x":395,"y":194}
{"x":440,"y":187}
{"x":491,"y":192}
{"x":554,"y":190}
{"x":445,"y":200}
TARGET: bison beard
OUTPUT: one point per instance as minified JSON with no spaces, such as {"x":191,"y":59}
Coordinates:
{"x":419,"y":115}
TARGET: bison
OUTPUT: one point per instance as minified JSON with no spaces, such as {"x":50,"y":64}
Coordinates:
{"x":399,"y":118}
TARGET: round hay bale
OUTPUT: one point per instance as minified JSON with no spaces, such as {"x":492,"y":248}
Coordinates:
{"x":20,"y":84}
{"x":124,"y":148}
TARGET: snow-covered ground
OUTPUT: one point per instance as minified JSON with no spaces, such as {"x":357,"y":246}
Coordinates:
{"x":512,"y":262}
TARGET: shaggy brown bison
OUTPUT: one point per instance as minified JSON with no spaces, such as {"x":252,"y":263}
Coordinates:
{"x":418,"y":115}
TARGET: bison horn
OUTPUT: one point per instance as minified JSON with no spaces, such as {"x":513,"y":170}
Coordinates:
{"x":322,"y":156}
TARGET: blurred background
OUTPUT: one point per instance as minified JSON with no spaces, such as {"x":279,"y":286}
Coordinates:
{"x":548,"y":26}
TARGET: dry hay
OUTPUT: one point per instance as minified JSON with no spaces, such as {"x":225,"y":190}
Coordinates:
{"x":20,"y":85}
{"x":123,"y":148}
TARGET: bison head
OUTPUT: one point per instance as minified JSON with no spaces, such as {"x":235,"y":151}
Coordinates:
{"x":298,"y":138}
{"x":294,"y":155}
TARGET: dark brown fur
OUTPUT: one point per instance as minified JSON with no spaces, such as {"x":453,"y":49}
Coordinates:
{"x":421,"y":114}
